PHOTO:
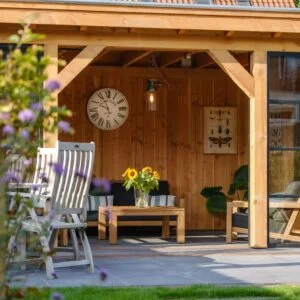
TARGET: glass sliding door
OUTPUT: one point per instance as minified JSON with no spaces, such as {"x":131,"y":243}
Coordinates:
{"x":284,"y":146}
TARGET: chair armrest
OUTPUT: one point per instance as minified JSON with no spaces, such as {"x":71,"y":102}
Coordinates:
{"x":179,"y":202}
{"x":239,"y":204}
{"x":27,"y":185}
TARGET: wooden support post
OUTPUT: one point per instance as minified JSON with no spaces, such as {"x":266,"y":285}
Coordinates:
{"x":258,"y":218}
{"x":51,"y":50}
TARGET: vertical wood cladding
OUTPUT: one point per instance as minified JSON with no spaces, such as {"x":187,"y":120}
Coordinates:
{"x":170,"y":139}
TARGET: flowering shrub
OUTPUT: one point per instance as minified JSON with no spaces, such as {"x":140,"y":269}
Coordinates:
{"x":144,"y":180}
{"x":26,"y":109}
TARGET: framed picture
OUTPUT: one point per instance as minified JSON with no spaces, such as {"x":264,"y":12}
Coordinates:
{"x":220,"y":130}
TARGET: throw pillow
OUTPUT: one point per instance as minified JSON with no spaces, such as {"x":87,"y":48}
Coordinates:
{"x":95,"y":201}
{"x":162,"y":200}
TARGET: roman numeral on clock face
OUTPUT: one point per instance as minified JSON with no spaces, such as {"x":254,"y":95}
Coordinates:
{"x":100,"y":122}
{"x":108,"y":124}
{"x":107,"y":93}
{"x":122,"y":108}
{"x":120,"y":101}
{"x":94,"y":116}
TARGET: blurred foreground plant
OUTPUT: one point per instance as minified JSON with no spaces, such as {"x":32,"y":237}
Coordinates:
{"x":27,"y":111}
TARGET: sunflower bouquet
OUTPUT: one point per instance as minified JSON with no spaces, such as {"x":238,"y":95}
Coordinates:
{"x":144,"y":180}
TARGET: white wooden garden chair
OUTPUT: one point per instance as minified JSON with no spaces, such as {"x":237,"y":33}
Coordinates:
{"x":67,"y":203}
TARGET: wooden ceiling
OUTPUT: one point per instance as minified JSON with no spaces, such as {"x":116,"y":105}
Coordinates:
{"x":161,"y":59}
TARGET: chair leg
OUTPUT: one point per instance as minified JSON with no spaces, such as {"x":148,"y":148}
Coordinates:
{"x":75,"y":244}
{"x":87,"y":249}
{"x":229,"y":223}
{"x":48,"y":258}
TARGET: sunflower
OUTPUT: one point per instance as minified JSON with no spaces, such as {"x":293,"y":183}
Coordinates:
{"x":126,"y":172}
{"x":156,"y":175}
{"x":132,"y":174}
{"x":147,"y":170}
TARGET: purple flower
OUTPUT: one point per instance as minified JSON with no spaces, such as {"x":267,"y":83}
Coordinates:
{"x":24,"y":134}
{"x":44,"y":178}
{"x":52,"y":85}
{"x":55,"y":277}
{"x":102,"y":184}
{"x":26,"y":115}
{"x":8,"y":130}
{"x":37,"y":106}
{"x":80,"y":174}
{"x":4,"y":115}
{"x":103,"y":273}
{"x":64,"y":126}
{"x":57,"y":296}
{"x":58,"y":168}
{"x":35,"y":188}
{"x":27,"y":162}
{"x":11,"y":177}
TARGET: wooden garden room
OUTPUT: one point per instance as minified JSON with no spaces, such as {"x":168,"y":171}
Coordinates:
{"x":213,"y":70}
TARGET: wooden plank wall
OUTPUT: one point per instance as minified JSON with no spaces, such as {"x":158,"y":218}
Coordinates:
{"x":170,"y":139}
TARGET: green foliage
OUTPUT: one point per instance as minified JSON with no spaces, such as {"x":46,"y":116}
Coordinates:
{"x":297,"y":2}
{"x":155,"y":293}
{"x":27,"y":107}
{"x":216,"y":198}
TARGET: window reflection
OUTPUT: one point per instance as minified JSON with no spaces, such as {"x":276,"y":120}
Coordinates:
{"x":284,"y":77}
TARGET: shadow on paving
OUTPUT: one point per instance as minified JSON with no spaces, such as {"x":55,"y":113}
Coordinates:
{"x":147,"y":260}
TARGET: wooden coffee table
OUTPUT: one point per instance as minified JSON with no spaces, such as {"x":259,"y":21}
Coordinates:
{"x":112,"y":214}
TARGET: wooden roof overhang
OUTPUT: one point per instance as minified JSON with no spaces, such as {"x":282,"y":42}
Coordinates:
{"x":142,"y":27}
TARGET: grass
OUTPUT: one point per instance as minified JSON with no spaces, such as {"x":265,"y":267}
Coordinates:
{"x":152,"y":293}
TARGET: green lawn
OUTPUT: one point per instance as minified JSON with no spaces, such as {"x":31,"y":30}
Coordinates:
{"x":189,"y":292}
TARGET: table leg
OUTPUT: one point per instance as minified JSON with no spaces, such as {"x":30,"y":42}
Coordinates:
{"x":165,"y":227}
{"x":181,"y":227}
{"x":113,"y":229}
{"x":101,"y":225}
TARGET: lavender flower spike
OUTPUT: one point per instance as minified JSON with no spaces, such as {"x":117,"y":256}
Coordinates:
{"x":11,"y":177}
{"x":64,"y":126}
{"x":26,"y":115}
{"x":103,"y":273}
{"x":24,"y":134}
{"x":8,"y":130}
{"x":37,"y":106}
{"x":52,"y":85}
{"x":102,"y":184}
{"x":57,"y":296}
{"x":80,"y":174}
{"x":58,"y":168}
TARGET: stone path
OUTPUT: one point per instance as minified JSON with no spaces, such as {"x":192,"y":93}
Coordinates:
{"x":204,"y":259}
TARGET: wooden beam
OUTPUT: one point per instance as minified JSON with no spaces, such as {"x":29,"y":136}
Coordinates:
{"x":276,"y":35}
{"x":229,"y":33}
{"x":83,"y":59}
{"x":152,"y":42}
{"x":182,"y":31}
{"x":83,"y":28}
{"x":133,"y":57}
{"x":234,"y":70}
{"x":150,"y":17}
{"x":258,"y":218}
{"x":171,"y":58}
{"x":51,"y":51}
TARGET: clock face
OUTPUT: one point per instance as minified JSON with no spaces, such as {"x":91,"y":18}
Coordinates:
{"x":107,"y":109}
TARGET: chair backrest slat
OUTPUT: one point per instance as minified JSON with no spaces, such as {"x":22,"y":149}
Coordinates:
{"x":44,"y":171}
{"x":71,"y":187}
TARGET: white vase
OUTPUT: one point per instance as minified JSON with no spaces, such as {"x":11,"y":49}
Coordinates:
{"x":141,"y":199}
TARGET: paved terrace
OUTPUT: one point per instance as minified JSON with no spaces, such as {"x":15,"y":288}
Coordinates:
{"x":204,"y":259}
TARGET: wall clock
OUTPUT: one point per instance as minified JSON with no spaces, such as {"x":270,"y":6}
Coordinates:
{"x":107,"y":109}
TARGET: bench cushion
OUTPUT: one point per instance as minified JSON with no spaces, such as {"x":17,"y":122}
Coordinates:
{"x":95,"y":201}
{"x":162,"y":200}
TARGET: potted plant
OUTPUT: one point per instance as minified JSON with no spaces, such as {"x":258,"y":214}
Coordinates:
{"x":216,"y":198}
{"x":143,"y":182}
